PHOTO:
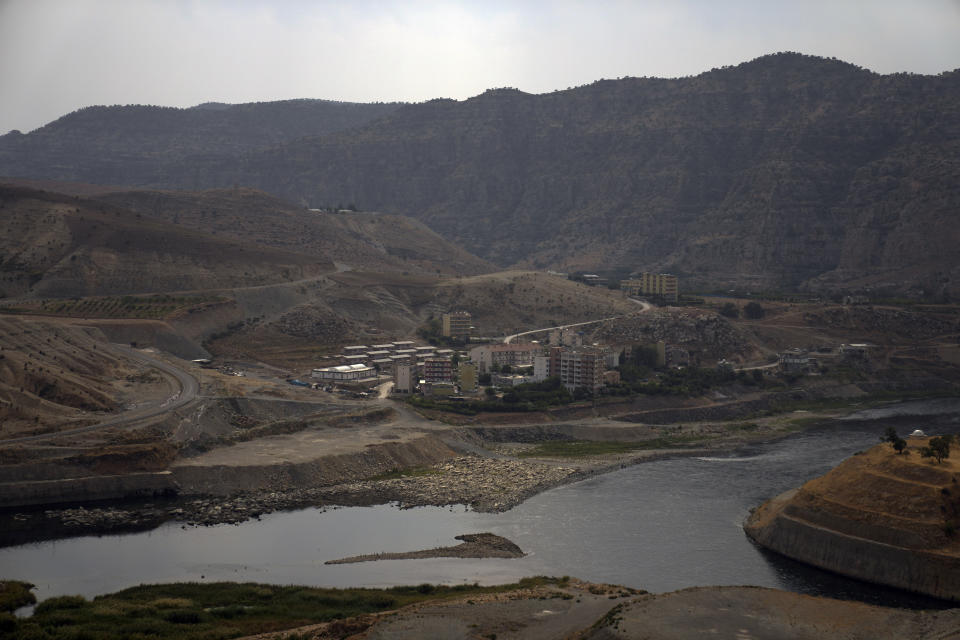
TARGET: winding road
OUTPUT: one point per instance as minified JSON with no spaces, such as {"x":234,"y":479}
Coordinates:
{"x":645,"y":306}
{"x":189,"y":388}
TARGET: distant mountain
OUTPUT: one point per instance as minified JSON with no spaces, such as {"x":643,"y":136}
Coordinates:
{"x":135,"y":144}
{"x":788,"y":171}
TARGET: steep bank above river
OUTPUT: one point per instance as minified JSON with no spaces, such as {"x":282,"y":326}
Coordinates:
{"x":881,"y":517}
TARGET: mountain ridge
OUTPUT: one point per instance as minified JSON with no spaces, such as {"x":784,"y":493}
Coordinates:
{"x":787,"y":171}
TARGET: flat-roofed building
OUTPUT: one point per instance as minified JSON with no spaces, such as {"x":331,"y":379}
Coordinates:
{"x":541,"y":368}
{"x":383,"y":347}
{"x":405,"y":378}
{"x":578,"y":367}
{"x":793,"y":360}
{"x":355,"y":349}
{"x":457,"y":325}
{"x":379,"y":353}
{"x":384,"y":365}
{"x":510,"y":380}
{"x":438,"y":370}
{"x":358,"y":358}
{"x":514,"y":355}
{"x":345,"y":373}
{"x":403,"y":344}
{"x":467,"y":377}
{"x":663,"y":285}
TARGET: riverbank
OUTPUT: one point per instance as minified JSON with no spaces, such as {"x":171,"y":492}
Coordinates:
{"x":539,"y":607}
{"x":503,"y":477}
{"x":499,"y":468}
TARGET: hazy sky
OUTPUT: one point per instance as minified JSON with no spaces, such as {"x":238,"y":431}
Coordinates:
{"x":60,"y":55}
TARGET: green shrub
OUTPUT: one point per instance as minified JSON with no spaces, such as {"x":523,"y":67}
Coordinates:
{"x":60,"y":603}
{"x":15,"y":594}
{"x":183,"y":616}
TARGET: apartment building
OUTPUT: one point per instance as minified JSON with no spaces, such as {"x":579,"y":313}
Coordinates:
{"x":405,"y":378}
{"x":514,"y":355}
{"x":457,"y":325}
{"x":652,"y":284}
{"x":467,"y":376}
{"x":438,"y":370}
{"x":578,"y":367}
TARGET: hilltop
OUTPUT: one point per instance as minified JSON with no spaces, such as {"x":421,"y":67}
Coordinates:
{"x":879,"y":516}
{"x":122,"y":144}
{"x":58,"y":245}
{"x":788,"y":171}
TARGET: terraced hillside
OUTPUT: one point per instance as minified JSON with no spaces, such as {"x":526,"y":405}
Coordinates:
{"x":55,"y":245}
{"x":879,"y":516}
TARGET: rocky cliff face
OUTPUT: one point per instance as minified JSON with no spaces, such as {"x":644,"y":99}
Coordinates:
{"x":879,"y":517}
{"x":787,"y":171}
{"x":132,"y":144}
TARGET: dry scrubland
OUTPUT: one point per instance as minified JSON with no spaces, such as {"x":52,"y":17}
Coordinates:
{"x":56,"y":374}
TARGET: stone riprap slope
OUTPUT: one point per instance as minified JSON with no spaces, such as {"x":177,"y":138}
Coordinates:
{"x":879,"y":516}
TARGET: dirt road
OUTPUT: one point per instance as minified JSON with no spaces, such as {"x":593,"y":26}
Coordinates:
{"x":189,"y":387}
{"x":645,"y":306}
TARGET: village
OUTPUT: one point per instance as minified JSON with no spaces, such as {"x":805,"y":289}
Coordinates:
{"x":455,"y":363}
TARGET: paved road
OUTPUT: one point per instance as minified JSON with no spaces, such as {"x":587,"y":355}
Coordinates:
{"x":189,"y":388}
{"x":645,"y":306}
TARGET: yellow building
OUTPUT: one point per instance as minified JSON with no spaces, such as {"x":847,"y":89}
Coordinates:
{"x":652,"y":284}
{"x":467,"y":374}
{"x":457,"y":325}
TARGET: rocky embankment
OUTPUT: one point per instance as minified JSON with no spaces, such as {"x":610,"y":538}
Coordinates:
{"x":880,"y":517}
{"x":484,"y":484}
{"x":474,"y":545}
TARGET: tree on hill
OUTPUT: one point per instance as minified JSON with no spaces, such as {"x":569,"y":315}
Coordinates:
{"x":754,"y":311}
{"x":890,"y":435}
{"x":730,"y":310}
{"x":938,"y":448}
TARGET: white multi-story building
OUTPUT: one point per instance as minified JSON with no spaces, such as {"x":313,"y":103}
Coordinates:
{"x":514,"y":355}
{"x":405,"y":378}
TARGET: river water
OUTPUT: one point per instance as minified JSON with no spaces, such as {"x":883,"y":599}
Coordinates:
{"x":658,"y":526}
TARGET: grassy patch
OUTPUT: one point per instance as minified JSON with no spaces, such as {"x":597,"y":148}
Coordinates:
{"x":583,"y":448}
{"x":15,"y":594}
{"x":191,"y":611}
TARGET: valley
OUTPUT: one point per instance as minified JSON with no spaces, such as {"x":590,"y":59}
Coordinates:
{"x":627,"y":313}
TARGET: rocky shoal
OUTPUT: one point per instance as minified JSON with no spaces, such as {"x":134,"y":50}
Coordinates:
{"x":474,"y":545}
{"x":484,"y":484}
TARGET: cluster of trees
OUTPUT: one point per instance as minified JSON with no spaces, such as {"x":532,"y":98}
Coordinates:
{"x":534,"y":396}
{"x":937,"y":447}
{"x":432,"y":332}
{"x":689,"y":381}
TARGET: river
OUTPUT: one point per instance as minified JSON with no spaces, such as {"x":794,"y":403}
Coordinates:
{"x":659,"y":526}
